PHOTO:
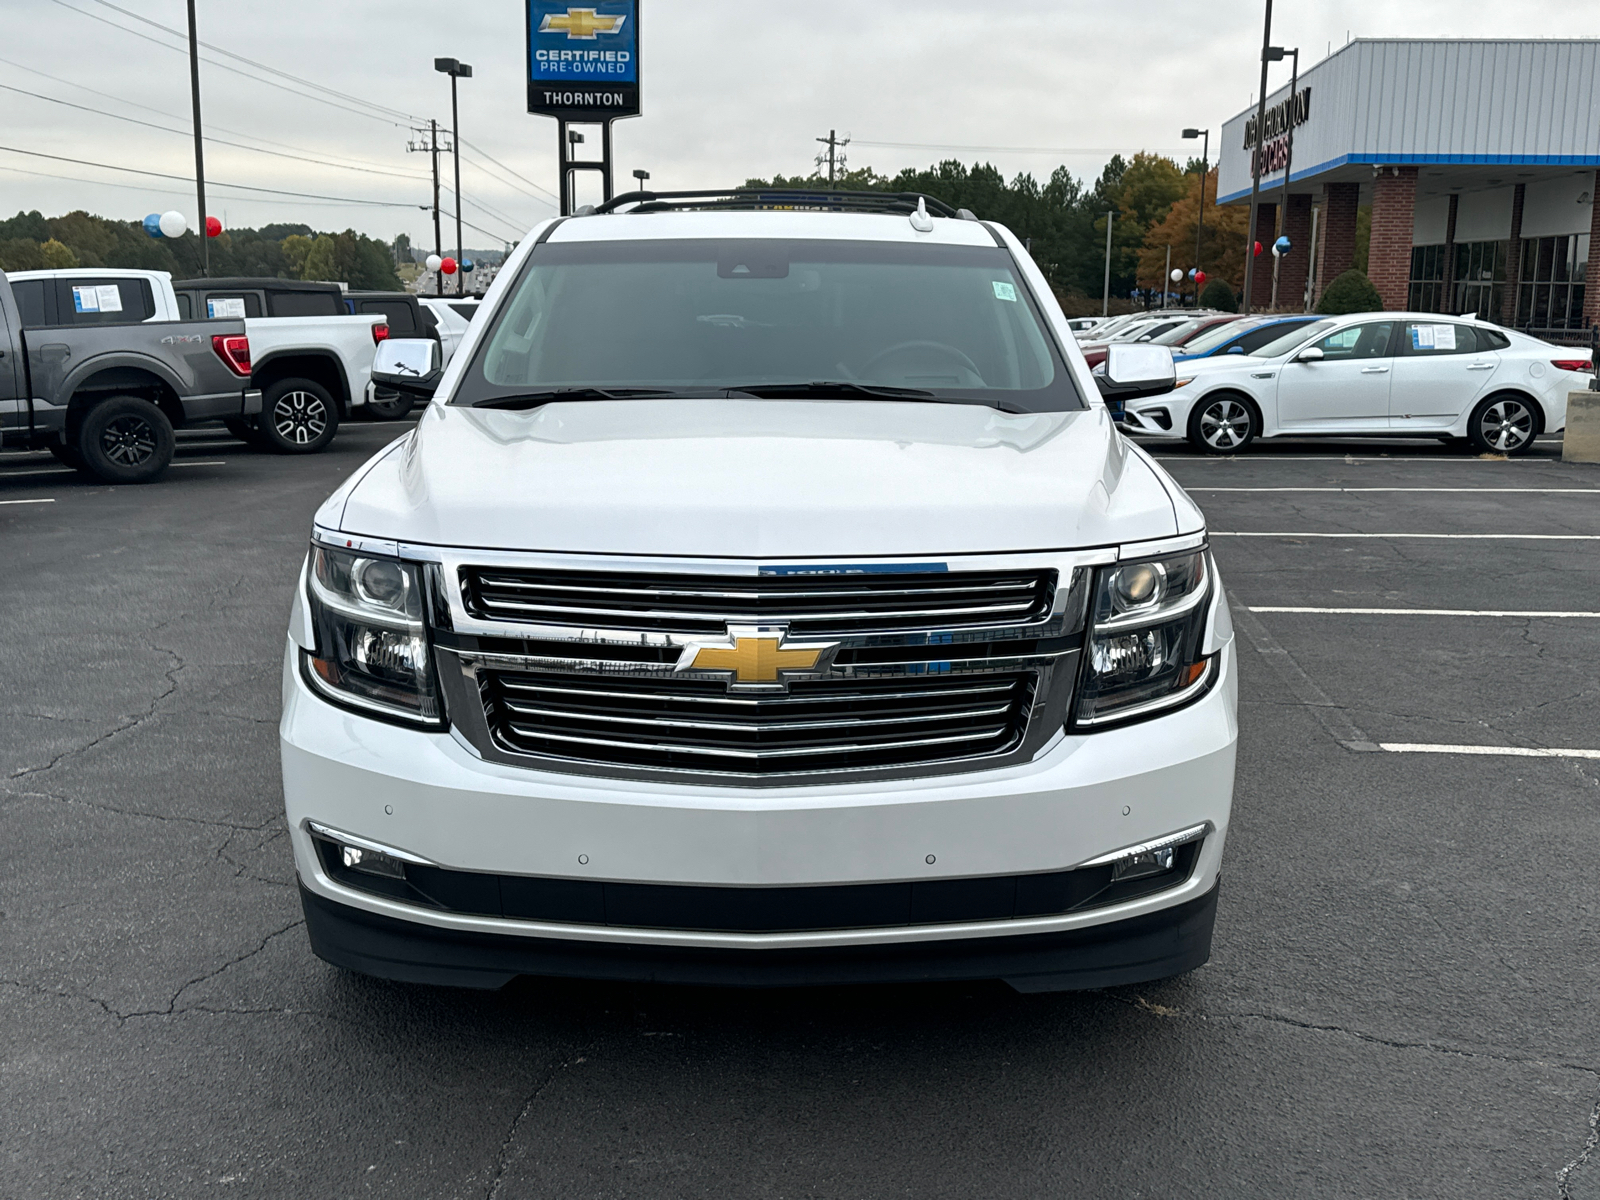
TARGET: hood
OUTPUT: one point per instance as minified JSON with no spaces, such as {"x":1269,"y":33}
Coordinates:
{"x":758,"y":478}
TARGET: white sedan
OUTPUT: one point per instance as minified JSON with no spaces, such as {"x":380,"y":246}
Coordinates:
{"x":1377,"y":374}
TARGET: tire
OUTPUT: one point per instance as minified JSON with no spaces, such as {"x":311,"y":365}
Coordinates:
{"x":125,"y":440}
{"x":68,"y":456}
{"x":1503,"y":424}
{"x":245,"y":429}
{"x":389,"y":410}
{"x":297,"y":417}
{"x":1224,"y":423}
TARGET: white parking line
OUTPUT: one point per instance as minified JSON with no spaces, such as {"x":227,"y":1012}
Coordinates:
{"x":46,"y":501}
{"x":1508,"y":751}
{"x":65,"y":470}
{"x":1521,"y":537}
{"x":1474,"y":491}
{"x":1300,"y":458}
{"x":1423,"y":612}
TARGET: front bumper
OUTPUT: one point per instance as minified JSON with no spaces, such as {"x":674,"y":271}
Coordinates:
{"x":432,"y":796}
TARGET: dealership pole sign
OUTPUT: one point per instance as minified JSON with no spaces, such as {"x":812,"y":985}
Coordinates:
{"x":1281,"y":117}
{"x":583,"y":60}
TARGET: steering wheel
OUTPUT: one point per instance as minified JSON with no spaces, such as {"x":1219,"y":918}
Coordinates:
{"x":965,"y":363}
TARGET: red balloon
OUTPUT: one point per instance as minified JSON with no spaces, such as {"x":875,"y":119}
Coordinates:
{"x":1258,"y":247}
{"x":1200,"y":277}
{"x":213,"y":227}
{"x":448,"y":266}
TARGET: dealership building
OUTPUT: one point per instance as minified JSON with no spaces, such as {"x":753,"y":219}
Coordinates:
{"x":1479,"y":161}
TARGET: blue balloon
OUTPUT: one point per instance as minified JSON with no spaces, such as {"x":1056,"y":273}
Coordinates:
{"x":152,"y":225}
{"x":1282,"y":244}
{"x":1191,"y":272}
{"x":466,"y":264}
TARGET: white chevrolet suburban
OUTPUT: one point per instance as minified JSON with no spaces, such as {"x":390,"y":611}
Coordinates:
{"x":765,"y":597}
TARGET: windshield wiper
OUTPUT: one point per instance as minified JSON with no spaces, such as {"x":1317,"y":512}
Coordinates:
{"x":535,"y":399}
{"x":776,"y":391}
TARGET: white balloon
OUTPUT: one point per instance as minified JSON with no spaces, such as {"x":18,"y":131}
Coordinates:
{"x":432,"y":262}
{"x":1176,"y":275}
{"x":173,"y":224}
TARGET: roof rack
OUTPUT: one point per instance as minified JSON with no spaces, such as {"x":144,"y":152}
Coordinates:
{"x":815,"y":199}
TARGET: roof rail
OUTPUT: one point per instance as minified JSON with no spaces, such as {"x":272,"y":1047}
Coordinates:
{"x":814,"y":199}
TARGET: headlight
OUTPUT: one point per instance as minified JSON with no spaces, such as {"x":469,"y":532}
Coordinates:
{"x":1182,"y":383}
{"x":372,"y":643}
{"x":1143,"y":650}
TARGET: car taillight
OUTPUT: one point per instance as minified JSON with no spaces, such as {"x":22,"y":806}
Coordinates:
{"x":1571,"y":364}
{"x":379,"y":332}
{"x":235,"y":351}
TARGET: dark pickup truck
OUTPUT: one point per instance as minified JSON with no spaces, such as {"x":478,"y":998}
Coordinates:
{"x":105,"y":398}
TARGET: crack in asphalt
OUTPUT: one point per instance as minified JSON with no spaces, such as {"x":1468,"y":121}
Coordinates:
{"x":1564,"y":1176}
{"x":62,"y":798}
{"x":502,"y":1159}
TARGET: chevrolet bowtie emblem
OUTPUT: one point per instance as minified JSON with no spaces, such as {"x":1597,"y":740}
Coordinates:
{"x":582,"y":23}
{"x":758,"y":655}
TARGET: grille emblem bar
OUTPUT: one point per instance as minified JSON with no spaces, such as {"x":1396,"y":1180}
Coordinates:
{"x":759,"y":658}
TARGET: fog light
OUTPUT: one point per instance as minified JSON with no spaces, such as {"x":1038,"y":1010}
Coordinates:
{"x":376,"y":862}
{"x":1155,"y":857}
{"x":1143,"y":863}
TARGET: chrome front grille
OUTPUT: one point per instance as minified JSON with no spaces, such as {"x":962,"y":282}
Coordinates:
{"x":828,"y":602}
{"x":697,"y":725}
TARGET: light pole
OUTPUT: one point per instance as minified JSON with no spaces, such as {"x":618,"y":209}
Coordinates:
{"x":1269,"y":54}
{"x":199,"y":154}
{"x":641,"y":176}
{"x":1105,"y":304}
{"x":456,"y":70}
{"x":1288,"y":164}
{"x":1205,"y":173}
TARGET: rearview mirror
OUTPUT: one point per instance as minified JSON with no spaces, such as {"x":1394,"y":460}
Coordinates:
{"x":1309,"y":354}
{"x":1133,"y":371}
{"x":411,"y":366}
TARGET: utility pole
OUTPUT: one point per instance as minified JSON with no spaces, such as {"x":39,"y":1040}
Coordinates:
{"x":431,"y":147}
{"x":1200,"y":219}
{"x":1269,"y":54}
{"x":456,"y":70}
{"x":834,"y":154}
{"x":199,"y":153}
{"x":1288,"y":161}
{"x":1166,"y":276}
{"x":1105,"y":302}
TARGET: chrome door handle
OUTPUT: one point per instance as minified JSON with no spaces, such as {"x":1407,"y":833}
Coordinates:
{"x":1374,"y":370}
{"x":1480,"y":366}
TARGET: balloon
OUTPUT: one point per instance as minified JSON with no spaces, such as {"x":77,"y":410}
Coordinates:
{"x":432,"y":262}
{"x":172,"y":224}
{"x":1200,"y":277}
{"x":1177,"y":274}
{"x":152,"y":225}
{"x":1191,"y":272}
{"x":1281,"y":246}
{"x":1258,"y":250}
{"x":466,"y":264}
{"x":447,"y":265}
{"x":213,"y":227}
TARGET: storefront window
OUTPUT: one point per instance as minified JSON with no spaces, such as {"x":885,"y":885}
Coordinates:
{"x":1427,"y":278}
{"x":1480,"y":278}
{"x":1550,"y":284}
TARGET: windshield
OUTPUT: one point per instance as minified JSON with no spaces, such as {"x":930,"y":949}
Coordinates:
{"x":699,"y":316}
{"x":1288,"y":340}
{"x":1212,"y":338}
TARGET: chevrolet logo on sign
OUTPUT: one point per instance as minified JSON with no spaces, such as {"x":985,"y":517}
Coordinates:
{"x":758,"y":656}
{"x":581,"y":23}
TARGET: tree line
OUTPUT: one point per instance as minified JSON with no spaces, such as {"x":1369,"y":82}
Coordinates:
{"x":30,"y":241}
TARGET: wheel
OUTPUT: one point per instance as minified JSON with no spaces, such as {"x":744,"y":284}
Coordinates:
{"x":1503,"y":424}
{"x":1223,"y":424}
{"x":68,"y":456}
{"x":126,"y":440}
{"x":298,"y":417}
{"x":390,"y":409}
{"x":245,"y":429}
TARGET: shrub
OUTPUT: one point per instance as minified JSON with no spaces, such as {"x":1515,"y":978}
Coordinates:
{"x":1219,"y":296}
{"x":1352,"y":292}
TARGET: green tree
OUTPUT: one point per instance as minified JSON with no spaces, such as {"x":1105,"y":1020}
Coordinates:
{"x":296,"y":249}
{"x":21,"y":254}
{"x":1219,"y":296}
{"x":57,"y":256}
{"x":1352,"y":292}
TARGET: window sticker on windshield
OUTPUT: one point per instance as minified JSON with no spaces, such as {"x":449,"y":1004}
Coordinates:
{"x":225,"y":307}
{"x":86,"y":299}
{"x":110,"y":298}
{"x":1422,"y":337}
{"x":1005,"y":291}
{"x":1444,"y":337}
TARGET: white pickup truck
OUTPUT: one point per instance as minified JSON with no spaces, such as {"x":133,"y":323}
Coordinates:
{"x":766,"y":596}
{"x":312,"y":370}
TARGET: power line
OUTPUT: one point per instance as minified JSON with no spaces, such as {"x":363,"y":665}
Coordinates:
{"x":150,"y":189}
{"x":496,"y":214}
{"x":477,"y":166}
{"x":83,"y":162}
{"x":509,"y":171}
{"x":1006,"y":149}
{"x":218,"y":141}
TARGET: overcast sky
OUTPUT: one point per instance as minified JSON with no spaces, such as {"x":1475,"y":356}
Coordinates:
{"x":733,"y":89}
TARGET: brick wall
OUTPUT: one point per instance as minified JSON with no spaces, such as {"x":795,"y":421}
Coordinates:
{"x":1266,"y":233}
{"x":1591,"y":279}
{"x":1508,"y":298}
{"x":1292,"y":267}
{"x":1338,"y":232}
{"x":1394,"y":196}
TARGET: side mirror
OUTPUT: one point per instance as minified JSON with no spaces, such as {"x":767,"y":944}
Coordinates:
{"x":1309,"y":354}
{"x":1133,"y":371}
{"x":1235,"y":349}
{"x":411,"y":366}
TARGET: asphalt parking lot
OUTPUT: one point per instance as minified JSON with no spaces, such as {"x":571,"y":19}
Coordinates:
{"x":1400,"y":1003}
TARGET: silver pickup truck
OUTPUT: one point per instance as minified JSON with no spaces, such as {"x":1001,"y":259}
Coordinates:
{"x":105,"y":396}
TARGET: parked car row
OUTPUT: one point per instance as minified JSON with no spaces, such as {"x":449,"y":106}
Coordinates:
{"x":298,"y":357}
